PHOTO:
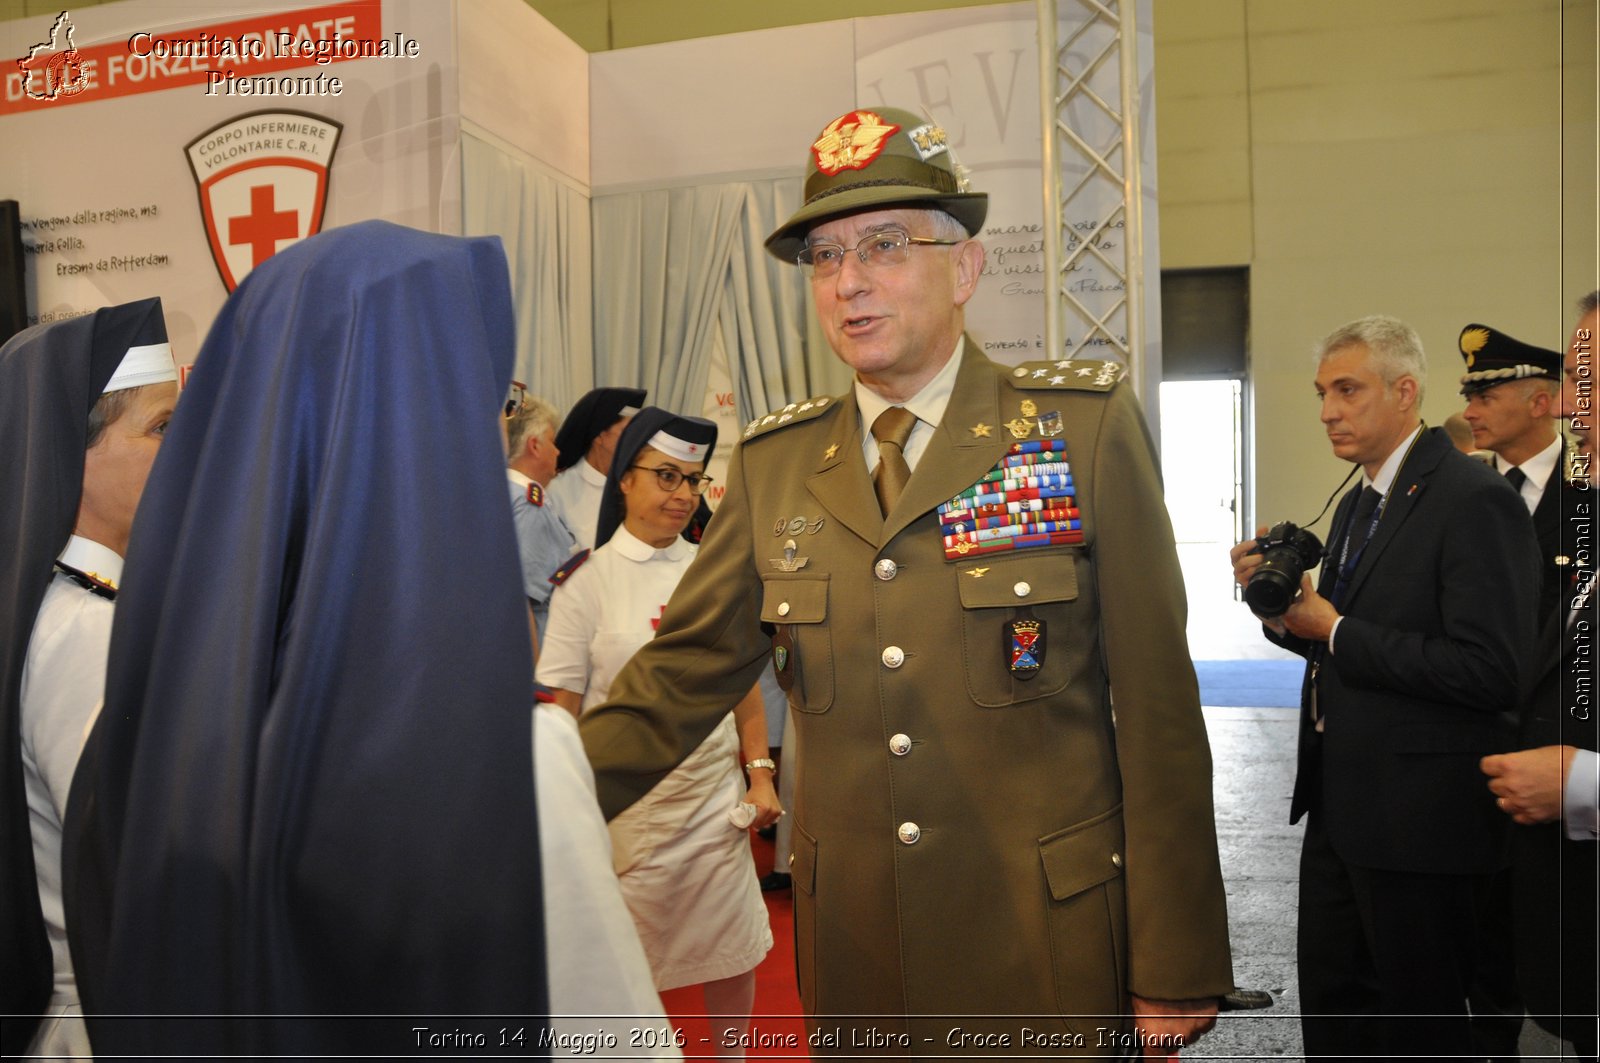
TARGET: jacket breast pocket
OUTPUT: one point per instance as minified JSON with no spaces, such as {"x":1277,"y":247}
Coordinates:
{"x":999,"y":606}
{"x":1088,"y":920}
{"x":802,"y":649}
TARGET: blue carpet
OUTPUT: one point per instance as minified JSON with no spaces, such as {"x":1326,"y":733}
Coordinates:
{"x":1251,"y":684}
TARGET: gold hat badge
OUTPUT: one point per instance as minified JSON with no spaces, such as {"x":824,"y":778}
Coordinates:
{"x":851,"y":141}
{"x":1473,"y":340}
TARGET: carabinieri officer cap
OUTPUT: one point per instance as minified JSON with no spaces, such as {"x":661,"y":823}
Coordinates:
{"x":1493,"y":358}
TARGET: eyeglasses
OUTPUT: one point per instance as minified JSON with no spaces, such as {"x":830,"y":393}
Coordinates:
{"x":888,"y":248}
{"x":669,"y":478}
{"x":516,"y":398}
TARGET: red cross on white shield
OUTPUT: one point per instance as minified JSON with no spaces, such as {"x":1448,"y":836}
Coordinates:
{"x":263,"y":183}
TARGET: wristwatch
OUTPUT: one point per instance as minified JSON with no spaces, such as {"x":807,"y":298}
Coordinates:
{"x":761,"y":762}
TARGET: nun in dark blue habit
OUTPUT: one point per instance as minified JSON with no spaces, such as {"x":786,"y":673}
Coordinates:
{"x":311,"y":792}
{"x":51,"y":377}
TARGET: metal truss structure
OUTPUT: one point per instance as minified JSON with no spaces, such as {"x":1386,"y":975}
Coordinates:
{"x":1090,"y":149}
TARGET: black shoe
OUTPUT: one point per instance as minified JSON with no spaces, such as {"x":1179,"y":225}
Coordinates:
{"x":1245,"y":1000}
{"x":778,"y":880}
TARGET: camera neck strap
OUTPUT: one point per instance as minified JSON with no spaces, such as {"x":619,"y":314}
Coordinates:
{"x":1369,"y":510}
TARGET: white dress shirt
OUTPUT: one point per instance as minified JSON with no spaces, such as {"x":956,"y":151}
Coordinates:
{"x":63,"y":687}
{"x":1537,"y":468}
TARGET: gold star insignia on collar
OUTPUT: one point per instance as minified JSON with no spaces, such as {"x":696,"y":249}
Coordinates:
{"x":977,"y":573}
{"x":981,"y":430}
{"x":827,"y":455}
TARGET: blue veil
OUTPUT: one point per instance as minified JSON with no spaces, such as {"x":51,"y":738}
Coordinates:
{"x":311,"y":790}
{"x":50,"y":378}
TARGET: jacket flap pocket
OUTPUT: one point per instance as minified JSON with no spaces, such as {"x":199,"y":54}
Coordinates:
{"x":803,"y":862}
{"x":1014,"y":580}
{"x":1084,"y":855}
{"x":794,"y":601}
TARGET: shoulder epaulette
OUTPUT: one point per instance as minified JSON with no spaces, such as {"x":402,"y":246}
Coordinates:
{"x":1070,"y":374}
{"x":535,"y":495}
{"x":573,"y":563}
{"x":790,"y":414}
{"x":89,"y":581}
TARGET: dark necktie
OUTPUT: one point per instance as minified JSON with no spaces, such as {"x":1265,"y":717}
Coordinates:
{"x":1355,"y":540}
{"x":891,"y":430}
{"x":1517,"y":477}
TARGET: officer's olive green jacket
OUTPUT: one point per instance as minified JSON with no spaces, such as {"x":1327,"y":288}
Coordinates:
{"x":1061,"y":858}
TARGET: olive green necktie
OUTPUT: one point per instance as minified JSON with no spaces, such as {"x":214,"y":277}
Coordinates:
{"x":891,"y":430}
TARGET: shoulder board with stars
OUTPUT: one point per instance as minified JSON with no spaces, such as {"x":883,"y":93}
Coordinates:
{"x":790,"y":414}
{"x":1069,"y":374}
{"x":564,"y":573}
{"x":535,"y":495}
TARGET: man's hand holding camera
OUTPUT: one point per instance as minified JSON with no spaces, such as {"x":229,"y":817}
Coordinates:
{"x":1307,"y":615}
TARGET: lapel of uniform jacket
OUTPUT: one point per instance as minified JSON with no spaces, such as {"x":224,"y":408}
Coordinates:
{"x":1547,"y":514}
{"x":956,"y":454}
{"x":840,"y":481}
{"x":1404,"y":494}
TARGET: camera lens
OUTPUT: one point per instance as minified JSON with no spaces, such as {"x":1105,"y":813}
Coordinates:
{"x":1270,"y":591}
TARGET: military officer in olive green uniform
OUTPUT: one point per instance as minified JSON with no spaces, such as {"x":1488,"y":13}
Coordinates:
{"x":955,"y":568}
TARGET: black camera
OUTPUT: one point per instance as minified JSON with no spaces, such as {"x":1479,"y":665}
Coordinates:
{"x":1286,"y":552}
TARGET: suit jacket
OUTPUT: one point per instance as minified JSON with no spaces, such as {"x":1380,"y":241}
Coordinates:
{"x":965,"y":842}
{"x":1428,"y":669}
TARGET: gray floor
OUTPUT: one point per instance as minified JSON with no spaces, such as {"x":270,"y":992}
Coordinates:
{"x":1253,"y":753}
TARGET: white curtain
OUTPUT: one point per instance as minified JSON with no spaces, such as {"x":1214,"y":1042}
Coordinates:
{"x":676,"y":267}
{"x":544,"y":224}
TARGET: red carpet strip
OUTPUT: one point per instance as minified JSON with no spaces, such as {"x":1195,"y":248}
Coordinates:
{"x":776,"y":1029}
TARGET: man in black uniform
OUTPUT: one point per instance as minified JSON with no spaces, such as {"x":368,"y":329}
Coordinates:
{"x":1549,"y":786}
{"x":1511,"y":390}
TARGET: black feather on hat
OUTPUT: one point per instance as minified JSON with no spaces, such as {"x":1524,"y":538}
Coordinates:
{"x":589,"y":417}
{"x":1494,"y":358}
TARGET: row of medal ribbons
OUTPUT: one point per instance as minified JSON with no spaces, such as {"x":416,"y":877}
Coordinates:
{"x":1025,"y":501}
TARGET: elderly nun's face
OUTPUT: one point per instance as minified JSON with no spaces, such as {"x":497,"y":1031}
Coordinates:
{"x":116,"y":467}
{"x":655,"y":514}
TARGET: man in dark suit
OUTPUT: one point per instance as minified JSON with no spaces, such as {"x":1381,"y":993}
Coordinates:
{"x":1413,"y":636}
{"x":1549,"y":785}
